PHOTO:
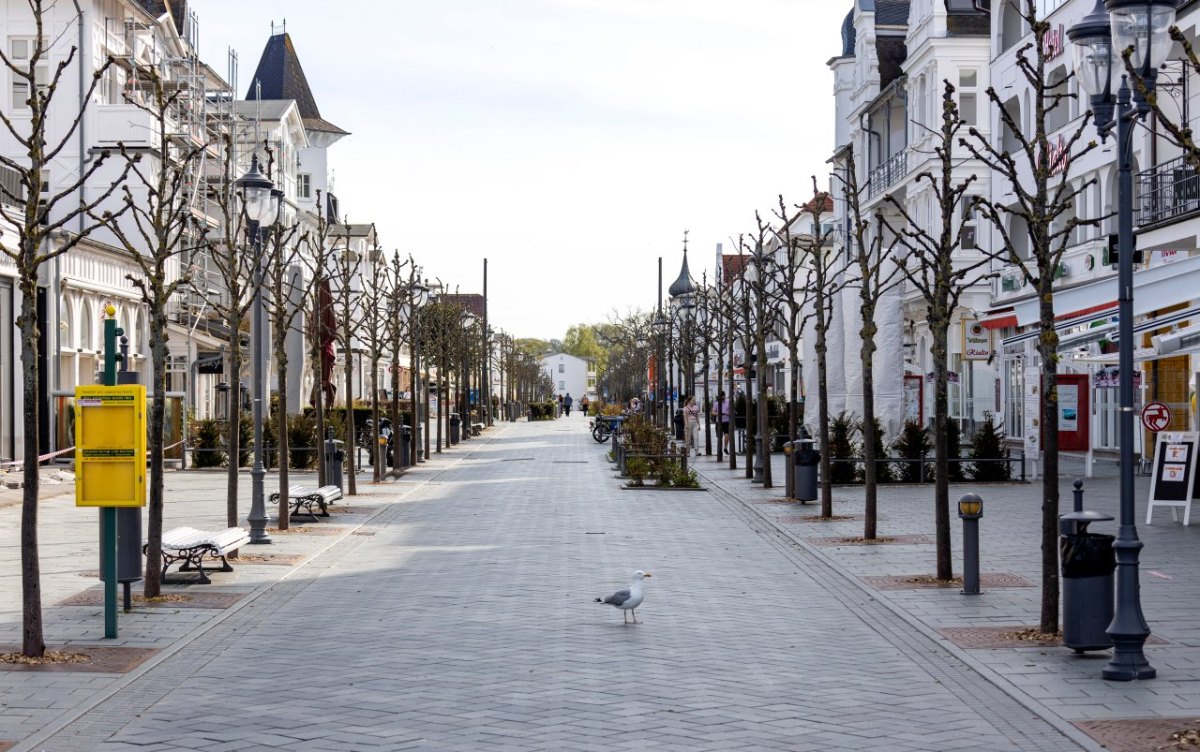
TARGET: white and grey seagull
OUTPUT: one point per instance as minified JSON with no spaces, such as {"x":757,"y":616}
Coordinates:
{"x":628,"y":600}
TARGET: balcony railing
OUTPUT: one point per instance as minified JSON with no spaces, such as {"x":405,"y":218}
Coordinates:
{"x":125,"y":123}
{"x":1168,"y":190}
{"x":883,"y":176}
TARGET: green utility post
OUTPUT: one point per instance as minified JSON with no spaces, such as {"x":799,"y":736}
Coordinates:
{"x":108,"y":515}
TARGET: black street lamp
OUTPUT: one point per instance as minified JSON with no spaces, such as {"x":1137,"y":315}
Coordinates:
{"x":261,"y":203}
{"x":1099,"y":41}
{"x":662,"y":327}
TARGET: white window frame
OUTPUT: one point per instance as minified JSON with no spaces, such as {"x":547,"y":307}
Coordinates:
{"x":19,"y":89}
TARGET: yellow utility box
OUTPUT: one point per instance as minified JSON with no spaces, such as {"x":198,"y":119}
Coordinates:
{"x":110,"y":446}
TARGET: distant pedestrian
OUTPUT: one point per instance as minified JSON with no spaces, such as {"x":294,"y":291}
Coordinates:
{"x":583,"y":405}
{"x":720,"y":413}
{"x":691,"y":425}
{"x":567,"y":402}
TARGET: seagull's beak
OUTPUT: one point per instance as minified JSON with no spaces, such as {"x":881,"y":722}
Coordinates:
{"x":647,"y":574}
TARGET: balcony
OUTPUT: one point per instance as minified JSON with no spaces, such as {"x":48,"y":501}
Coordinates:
{"x":886,"y":174}
{"x":1166,"y":191}
{"x":127,"y":124}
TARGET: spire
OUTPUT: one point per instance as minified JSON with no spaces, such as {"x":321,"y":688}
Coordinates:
{"x":282,"y":77}
{"x":684,"y":285}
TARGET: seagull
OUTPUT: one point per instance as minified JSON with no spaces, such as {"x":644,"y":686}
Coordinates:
{"x":628,"y":600}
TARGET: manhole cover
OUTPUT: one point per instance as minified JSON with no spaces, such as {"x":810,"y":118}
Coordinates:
{"x":922,"y":581}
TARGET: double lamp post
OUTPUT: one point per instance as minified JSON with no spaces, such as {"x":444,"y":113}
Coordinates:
{"x":1140,"y":28}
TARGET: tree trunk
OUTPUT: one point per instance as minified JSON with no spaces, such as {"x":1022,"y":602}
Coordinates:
{"x":941,"y":476}
{"x":351,"y":429}
{"x":823,"y":406}
{"x":32,"y":642}
{"x":1048,"y":349}
{"x":282,"y":441}
{"x":152,"y":585}
{"x":870,"y":476}
{"x":764,"y":448}
{"x":233,"y":442}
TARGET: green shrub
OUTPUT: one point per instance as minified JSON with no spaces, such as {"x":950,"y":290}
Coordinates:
{"x":988,"y":443}
{"x":954,"y":470}
{"x":207,"y":434}
{"x":245,"y":440}
{"x":883,"y":469}
{"x":685,"y":479}
{"x":841,"y":447}
{"x":302,"y":436}
{"x":914,"y":444}
{"x":637,"y":468}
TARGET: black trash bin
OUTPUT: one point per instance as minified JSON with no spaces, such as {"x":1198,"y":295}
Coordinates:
{"x":455,"y":428}
{"x":804,"y":467}
{"x":1088,"y":564}
{"x":405,"y":445}
{"x":334,"y":457}
{"x":129,"y":545}
{"x":677,"y":421}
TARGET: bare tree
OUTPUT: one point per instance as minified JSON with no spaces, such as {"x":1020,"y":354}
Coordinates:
{"x":874,"y":277}
{"x":935,"y":268}
{"x":321,"y":330}
{"x":821,"y":285}
{"x":39,"y":228}
{"x":403,"y":277}
{"x":284,"y":299}
{"x":347,"y":294}
{"x":225,"y":249}
{"x":155,"y":229}
{"x":1044,"y":203}
{"x":373,"y":301}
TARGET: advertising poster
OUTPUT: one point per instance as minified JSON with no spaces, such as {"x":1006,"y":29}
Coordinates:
{"x":1068,"y":407}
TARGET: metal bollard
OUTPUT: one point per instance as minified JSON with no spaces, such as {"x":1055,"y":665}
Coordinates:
{"x":970,"y":509}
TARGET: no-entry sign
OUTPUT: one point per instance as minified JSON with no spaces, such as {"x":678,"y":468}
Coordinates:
{"x":1156,"y":416}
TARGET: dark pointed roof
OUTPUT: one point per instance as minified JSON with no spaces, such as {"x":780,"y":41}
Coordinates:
{"x":684,"y":284}
{"x":848,"y":35}
{"x":282,"y":77}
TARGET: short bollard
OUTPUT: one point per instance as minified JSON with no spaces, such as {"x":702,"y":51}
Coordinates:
{"x":970,"y":509}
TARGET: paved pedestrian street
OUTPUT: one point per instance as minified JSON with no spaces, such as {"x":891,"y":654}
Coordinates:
{"x":454,"y":610}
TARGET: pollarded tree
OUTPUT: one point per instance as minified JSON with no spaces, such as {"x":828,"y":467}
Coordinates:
{"x":36,"y":234}
{"x":941,"y":274}
{"x":874,"y":277}
{"x":155,"y":229}
{"x":1045,"y":213}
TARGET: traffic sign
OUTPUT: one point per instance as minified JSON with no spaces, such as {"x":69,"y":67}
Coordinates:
{"x":1156,"y":416}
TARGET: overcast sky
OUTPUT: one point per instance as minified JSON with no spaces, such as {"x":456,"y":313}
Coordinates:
{"x":570,"y":142}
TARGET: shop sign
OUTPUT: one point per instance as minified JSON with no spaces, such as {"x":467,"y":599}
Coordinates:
{"x":977,"y":341}
{"x":1156,"y":416}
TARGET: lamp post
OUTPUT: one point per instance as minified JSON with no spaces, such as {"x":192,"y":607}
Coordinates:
{"x":661,"y":328}
{"x":261,"y":203}
{"x":754,"y":278}
{"x":1098,"y":42}
{"x":418,"y":297}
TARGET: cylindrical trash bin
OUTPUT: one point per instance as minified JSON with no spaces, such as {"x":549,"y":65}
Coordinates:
{"x":405,"y":445}
{"x":455,"y":428}
{"x":1088,"y":564}
{"x":678,"y":423}
{"x":804,"y":465}
{"x":334,"y":457}
{"x":129,"y":545}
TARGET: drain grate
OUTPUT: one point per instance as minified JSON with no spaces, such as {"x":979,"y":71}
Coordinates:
{"x":518,"y":459}
{"x":569,"y":462}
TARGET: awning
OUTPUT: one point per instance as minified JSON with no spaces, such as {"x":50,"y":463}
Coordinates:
{"x":1154,"y":288}
{"x":999,"y":318}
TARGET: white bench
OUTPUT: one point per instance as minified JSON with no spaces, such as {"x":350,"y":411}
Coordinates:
{"x":192,"y":546}
{"x":310,"y":496}
{"x":477,"y":429}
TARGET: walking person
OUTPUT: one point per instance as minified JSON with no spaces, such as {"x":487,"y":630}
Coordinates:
{"x":567,"y":402}
{"x":720,"y":413}
{"x":691,"y":425}
{"x":583,"y":405}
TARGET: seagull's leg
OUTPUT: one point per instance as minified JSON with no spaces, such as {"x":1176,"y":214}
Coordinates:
{"x":634,"y":610}
{"x":624,"y":616}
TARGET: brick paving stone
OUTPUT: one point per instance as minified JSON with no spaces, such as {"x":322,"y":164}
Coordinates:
{"x":467,"y":622}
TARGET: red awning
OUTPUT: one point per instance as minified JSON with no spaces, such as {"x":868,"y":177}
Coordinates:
{"x":999,"y":318}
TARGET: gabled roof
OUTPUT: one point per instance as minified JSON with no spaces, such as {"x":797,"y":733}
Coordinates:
{"x":282,"y":77}
{"x":473,"y":303}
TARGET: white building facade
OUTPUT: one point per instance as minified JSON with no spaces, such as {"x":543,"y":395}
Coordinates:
{"x":570,"y":375}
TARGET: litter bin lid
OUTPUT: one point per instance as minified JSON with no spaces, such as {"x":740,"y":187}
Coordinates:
{"x":1087,"y":516}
